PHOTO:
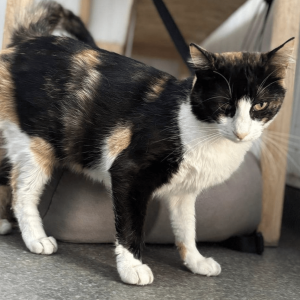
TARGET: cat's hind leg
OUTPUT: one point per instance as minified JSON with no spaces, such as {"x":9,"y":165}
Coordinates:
{"x":182,"y":215}
{"x":5,"y":193}
{"x":5,"y":209}
{"x":32,"y":160}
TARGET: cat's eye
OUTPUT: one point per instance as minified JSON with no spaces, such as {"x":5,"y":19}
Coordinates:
{"x":260,"y":106}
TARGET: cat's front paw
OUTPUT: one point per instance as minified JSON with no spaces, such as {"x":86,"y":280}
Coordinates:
{"x":204,"y":266}
{"x":46,"y":245}
{"x":130,"y":269}
{"x":140,"y":275}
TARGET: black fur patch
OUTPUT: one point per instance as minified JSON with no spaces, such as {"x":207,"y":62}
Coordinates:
{"x":5,"y":169}
{"x":227,"y":78}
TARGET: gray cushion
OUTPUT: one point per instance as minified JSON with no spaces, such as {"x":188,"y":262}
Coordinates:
{"x":75,"y":209}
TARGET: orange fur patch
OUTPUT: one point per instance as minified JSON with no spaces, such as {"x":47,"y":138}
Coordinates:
{"x":87,"y":57}
{"x":182,"y":250}
{"x":43,"y":154}
{"x":7,"y":104}
{"x":86,"y":60}
{"x":233,"y":55}
{"x":156,"y":89}
{"x":119,"y":140}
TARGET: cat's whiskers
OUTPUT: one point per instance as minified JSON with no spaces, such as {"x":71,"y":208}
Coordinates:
{"x":281,"y":151}
{"x":285,"y":140}
{"x":283,"y":134}
{"x":198,"y":128}
{"x":230,"y":92}
{"x":269,"y":157}
{"x":207,"y":140}
{"x":260,"y":93}
{"x":263,"y":82}
{"x":220,"y":107}
{"x":214,"y":98}
{"x":202,"y":137}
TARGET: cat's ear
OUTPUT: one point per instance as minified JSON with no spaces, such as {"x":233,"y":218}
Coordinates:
{"x":200,"y":58}
{"x":281,"y":56}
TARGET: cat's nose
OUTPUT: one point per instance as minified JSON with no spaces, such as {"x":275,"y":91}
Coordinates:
{"x":240,"y":135}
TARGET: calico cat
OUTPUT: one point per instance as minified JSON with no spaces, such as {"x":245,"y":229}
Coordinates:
{"x":140,"y":131}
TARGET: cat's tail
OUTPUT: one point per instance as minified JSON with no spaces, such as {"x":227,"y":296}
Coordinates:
{"x":43,"y":18}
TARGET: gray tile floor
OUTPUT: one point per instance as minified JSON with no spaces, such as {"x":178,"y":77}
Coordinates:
{"x":87,"y":271}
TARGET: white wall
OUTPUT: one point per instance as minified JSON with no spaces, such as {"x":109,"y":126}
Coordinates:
{"x":109,"y":20}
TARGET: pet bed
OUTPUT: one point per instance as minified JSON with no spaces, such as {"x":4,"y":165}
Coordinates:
{"x":75,"y":209}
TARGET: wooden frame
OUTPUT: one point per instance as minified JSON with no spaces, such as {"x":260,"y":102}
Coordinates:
{"x":11,"y":7}
{"x":286,"y":25}
{"x":85,"y":11}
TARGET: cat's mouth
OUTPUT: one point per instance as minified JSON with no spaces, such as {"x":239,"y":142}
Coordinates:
{"x":233,"y":138}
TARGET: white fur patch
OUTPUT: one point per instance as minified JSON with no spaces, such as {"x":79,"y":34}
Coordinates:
{"x":29,"y":183}
{"x":242,"y":120}
{"x":131,"y":270}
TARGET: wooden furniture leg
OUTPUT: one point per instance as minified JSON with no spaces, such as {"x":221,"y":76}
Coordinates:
{"x":85,"y":11}
{"x":12,"y":6}
{"x":273,"y":162}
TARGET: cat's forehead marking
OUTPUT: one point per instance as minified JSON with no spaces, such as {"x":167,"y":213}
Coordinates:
{"x":233,"y":55}
{"x":43,"y":153}
{"x":119,"y":139}
{"x":8,"y":110}
{"x":156,"y":88}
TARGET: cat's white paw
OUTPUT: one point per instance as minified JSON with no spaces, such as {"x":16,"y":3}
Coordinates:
{"x":131,"y":270}
{"x":46,"y":245}
{"x":140,"y":275}
{"x":5,"y":227}
{"x":204,"y":266}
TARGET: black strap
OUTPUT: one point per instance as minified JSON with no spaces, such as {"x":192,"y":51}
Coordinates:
{"x":174,"y":32}
{"x":252,"y":243}
{"x":259,"y":39}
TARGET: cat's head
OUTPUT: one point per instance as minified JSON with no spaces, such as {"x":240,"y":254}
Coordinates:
{"x":240,"y":92}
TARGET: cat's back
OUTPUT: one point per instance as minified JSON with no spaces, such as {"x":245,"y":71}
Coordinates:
{"x":60,"y":71}
{"x":74,"y":96}
{"x":52,"y":74}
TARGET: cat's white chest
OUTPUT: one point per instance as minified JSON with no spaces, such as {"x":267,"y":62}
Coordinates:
{"x":209,"y":159}
{"x":206,"y":166}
